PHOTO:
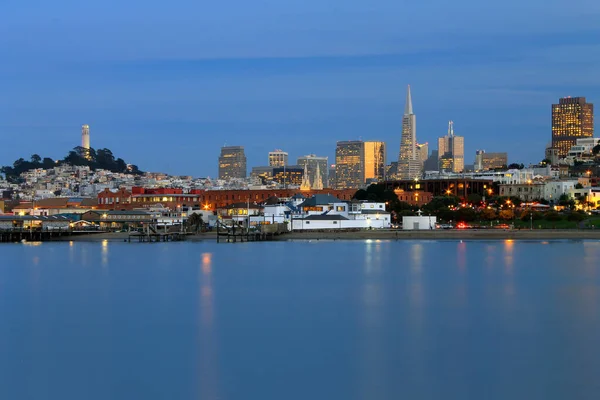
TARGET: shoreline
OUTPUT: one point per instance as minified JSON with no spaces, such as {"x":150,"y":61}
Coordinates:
{"x":454,"y":234}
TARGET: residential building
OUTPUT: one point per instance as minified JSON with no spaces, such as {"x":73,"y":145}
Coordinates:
{"x":572,"y":119}
{"x":374,"y":161}
{"x":487,"y":161}
{"x":409,"y":165}
{"x":232,"y":162}
{"x":312,"y":163}
{"x":451,"y":151}
{"x":278,"y":158}
{"x":349,"y":164}
{"x":533,"y":190}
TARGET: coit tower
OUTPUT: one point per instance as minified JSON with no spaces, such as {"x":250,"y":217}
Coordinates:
{"x":85,"y":136}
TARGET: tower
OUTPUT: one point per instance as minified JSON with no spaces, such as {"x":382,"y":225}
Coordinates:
{"x":375,"y":161}
{"x":85,"y":136}
{"x":232,"y":162}
{"x":278,"y":158}
{"x":409,"y":166}
{"x":350,"y":164}
{"x":572,"y":119}
{"x":451,"y":151}
{"x":305,"y":179}
{"x":318,"y":185}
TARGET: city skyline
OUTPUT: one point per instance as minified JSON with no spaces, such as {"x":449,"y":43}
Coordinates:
{"x":148,"y":84}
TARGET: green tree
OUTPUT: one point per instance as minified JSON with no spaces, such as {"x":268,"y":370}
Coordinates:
{"x":488,"y":214}
{"x":195,"y":222}
{"x":36,"y":159}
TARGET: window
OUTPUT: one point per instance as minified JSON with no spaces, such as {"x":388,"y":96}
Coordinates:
{"x":308,"y":222}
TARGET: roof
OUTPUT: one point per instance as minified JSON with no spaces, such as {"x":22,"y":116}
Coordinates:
{"x":34,"y":218}
{"x":273,"y":200}
{"x":242,"y":205}
{"x":319,"y":199}
{"x":119,"y":212}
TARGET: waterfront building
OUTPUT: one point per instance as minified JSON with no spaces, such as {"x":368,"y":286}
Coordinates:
{"x":375,"y":161}
{"x":312,"y":162}
{"x":232,"y":162}
{"x":278,"y":158}
{"x":349,"y":164}
{"x":409,"y":165}
{"x":572,"y":119}
{"x":451,"y":151}
{"x":487,"y":161}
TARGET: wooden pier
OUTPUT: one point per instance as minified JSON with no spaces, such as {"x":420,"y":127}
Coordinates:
{"x":233,"y":234}
{"x":156,"y":237}
{"x":19,"y":235}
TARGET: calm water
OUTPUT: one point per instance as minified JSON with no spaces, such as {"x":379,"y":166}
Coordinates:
{"x":300,"y":320}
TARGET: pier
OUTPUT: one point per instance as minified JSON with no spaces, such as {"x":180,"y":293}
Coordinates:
{"x":235,"y":233}
{"x":18,"y":235}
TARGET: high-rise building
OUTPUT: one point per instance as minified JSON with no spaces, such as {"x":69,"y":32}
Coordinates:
{"x":423,"y":151}
{"x":432,"y":163}
{"x":486,"y":161}
{"x":374,"y":161}
{"x":289,"y":175}
{"x":350,"y":164}
{"x":278,"y":158}
{"x":572,"y":119}
{"x":451,"y":151}
{"x":409,"y":165}
{"x":85,"y":136}
{"x":232,"y":162}
{"x":312,"y":162}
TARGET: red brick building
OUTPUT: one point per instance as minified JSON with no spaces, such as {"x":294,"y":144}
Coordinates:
{"x":414,"y":197}
{"x":206,"y":199}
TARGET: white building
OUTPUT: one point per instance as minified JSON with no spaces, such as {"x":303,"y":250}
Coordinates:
{"x":419,"y":222}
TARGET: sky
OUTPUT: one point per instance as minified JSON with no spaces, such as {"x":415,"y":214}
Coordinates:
{"x":165,"y":84}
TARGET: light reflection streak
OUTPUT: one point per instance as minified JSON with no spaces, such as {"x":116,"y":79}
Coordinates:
{"x":461,"y":256}
{"x":104,"y":253}
{"x":207,"y":338}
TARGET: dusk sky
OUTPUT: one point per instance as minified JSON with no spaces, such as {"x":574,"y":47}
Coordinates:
{"x":166,"y":84}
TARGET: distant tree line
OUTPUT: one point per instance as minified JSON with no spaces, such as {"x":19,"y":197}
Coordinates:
{"x":79,"y":156}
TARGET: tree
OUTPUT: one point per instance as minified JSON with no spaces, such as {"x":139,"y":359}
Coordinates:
{"x":360,"y":194}
{"x":36,"y":159}
{"x":552,"y":216}
{"x":488,"y":214}
{"x":578,"y":186}
{"x":195,"y":222}
{"x":596,"y":149}
{"x":465,"y":214}
{"x":47,"y":163}
{"x":546,"y":161}
{"x":474,"y":198}
{"x":516,"y":166}
{"x":506,"y":215}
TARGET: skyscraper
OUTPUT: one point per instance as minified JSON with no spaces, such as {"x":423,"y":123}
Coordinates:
{"x":375,"y":161}
{"x":85,"y":136}
{"x":350,"y":164}
{"x":572,"y":119}
{"x":409,"y":166}
{"x":451,"y":151}
{"x":278,"y":158}
{"x":312,"y":162}
{"x":423,"y":152}
{"x":232,"y":162}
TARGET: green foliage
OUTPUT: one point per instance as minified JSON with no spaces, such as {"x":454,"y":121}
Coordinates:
{"x":79,"y":156}
{"x":575,"y":216}
{"x":578,"y":186}
{"x":552,"y":216}
{"x":596,"y":149}
{"x":465,"y":215}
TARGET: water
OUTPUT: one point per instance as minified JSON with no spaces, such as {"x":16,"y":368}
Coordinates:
{"x":300,"y":320}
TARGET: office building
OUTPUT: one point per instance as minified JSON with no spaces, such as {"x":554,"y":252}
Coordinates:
{"x":289,"y":175}
{"x":432,"y":163}
{"x":312,"y":162}
{"x":85,"y":136}
{"x":374,"y":161}
{"x":232,"y":162}
{"x":451,"y":151}
{"x":487,"y":161}
{"x":264,"y":173}
{"x":572,"y":119}
{"x":349,"y":164}
{"x":278,"y":158}
{"x":409,"y":165}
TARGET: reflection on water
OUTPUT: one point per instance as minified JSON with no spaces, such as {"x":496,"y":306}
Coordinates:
{"x":207,"y":336}
{"x":295,"y":320}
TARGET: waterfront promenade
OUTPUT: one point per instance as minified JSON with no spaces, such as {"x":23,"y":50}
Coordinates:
{"x":450,"y":234}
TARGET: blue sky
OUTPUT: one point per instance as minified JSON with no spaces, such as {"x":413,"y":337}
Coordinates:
{"x":165,"y":84}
